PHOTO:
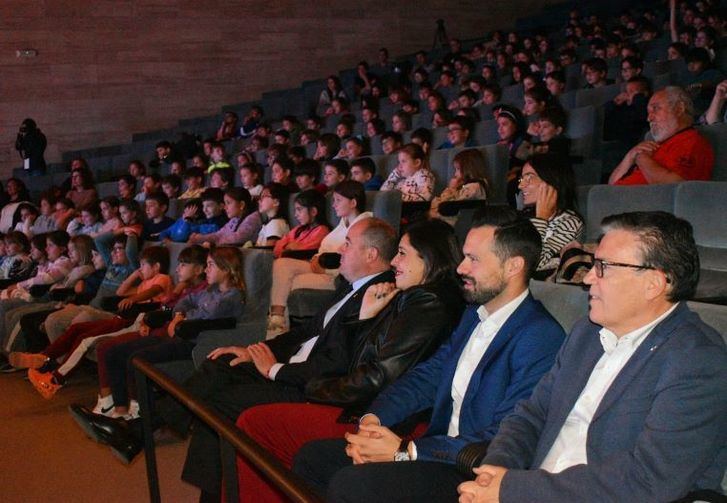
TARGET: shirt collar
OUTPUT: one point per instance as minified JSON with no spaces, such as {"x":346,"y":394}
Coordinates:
{"x":610,"y":341}
{"x":499,"y":317}
{"x":362,"y":281}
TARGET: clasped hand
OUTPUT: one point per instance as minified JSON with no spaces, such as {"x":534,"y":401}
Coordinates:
{"x":485,"y":488}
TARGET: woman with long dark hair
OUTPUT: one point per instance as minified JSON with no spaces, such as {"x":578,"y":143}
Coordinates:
{"x":548,"y":189}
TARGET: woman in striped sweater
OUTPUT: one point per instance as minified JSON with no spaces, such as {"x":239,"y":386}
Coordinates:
{"x":548,"y":190}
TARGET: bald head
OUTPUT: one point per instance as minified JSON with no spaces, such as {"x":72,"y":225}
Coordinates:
{"x":369,"y":247}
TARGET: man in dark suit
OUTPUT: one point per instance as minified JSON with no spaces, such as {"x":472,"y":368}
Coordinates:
{"x":635,"y":407}
{"x":235,"y":378}
{"x":504,"y":343}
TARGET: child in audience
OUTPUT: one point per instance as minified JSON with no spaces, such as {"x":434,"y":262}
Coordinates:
{"x":190,"y":279}
{"x":250,"y":179}
{"x":110,"y":215}
{"x":243,"y":225}
{"x":219,"y":305}
{"x":127,"y":187}
{"x":468,"y":182}
{"x":45,"y":222}
{"x":221,"y":179}
{"x":119,"y":253}
{"x":512,"y":130}
{"x":423,"y":138}
{"x":150,"y":284}
{"x":190,"y":223}
{"x":363,"y":170}
{"x":151,"y":185}
{"x":273,"y":209}
{"x":194,"y":181}
{"x":129,"y":212}
{"x":349,"y":203}
{"x":53,"y":269}
{"x":391,"y":142}
{"x":310,"y":212}
{"x":137,"y":169}
{"x":16,"y":262}
{"x":80,"y":254}
{"x":334,"y":172}
{"x":217,"y":158}
{"x":171,"y":186}
{"x":412,"y":176}
{"x":353,"y":148}
{"x":282,"y":172}
{"x":551,"y":124}
{"x":88,"y":222}
{"x":306,"y":176}
{"x":28,"y":215}
{"x":156,"y":206}
{"x":327,"y":147}
{"x":65,"y":211}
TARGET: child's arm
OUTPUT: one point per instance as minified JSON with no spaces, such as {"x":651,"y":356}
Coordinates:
{"x":128,"y":286}
{"x":142,"y":296}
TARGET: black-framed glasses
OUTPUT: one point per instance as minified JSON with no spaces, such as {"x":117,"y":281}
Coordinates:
{"x":601,"y":265}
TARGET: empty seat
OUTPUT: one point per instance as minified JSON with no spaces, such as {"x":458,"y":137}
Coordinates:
{"x":704,"y":205}
{"x":605,"y":200}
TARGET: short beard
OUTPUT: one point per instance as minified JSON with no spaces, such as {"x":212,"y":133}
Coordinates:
{"x":664,"y":132}
{"x":484,"y":295}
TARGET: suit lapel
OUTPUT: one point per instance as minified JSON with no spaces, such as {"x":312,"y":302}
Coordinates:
{"x":638,"y":360}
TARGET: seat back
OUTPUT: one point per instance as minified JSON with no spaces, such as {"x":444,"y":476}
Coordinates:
{"x":567,"y":303}
{"x":604,"y":200}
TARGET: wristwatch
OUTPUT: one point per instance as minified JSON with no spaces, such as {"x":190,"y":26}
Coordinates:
{"x":402,"y":454}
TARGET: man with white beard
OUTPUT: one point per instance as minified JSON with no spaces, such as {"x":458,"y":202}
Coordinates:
{"x":677,"y":152}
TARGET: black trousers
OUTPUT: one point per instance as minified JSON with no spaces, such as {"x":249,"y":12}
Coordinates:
{"x":324,"y":464}
{"x":35,"y":338}
{"x":230,"y":390}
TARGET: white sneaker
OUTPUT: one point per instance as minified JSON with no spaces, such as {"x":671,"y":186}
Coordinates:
{"x":104,"y":406}
{"x":277,"y":324}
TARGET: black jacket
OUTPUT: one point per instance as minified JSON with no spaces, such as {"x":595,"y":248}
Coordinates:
{"x":31,"y":146}
{"x":408,"y":330}
{"x":331,"y":353}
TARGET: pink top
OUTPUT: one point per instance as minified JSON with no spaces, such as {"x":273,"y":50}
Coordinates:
{"x":307,"y":239}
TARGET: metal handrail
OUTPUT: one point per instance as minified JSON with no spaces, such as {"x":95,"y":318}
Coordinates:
{"x":286,"y":481}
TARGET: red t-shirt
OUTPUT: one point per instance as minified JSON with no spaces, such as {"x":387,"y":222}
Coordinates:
{"x":687,"y":153}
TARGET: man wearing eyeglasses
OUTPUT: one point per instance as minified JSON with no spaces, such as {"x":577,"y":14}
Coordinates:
{"x":635,"y":407}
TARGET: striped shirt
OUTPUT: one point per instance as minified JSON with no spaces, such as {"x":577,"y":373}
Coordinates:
{"x":555,"y":234}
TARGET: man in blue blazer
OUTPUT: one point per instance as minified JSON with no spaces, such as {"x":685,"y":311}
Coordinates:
{"x":635,"y":407}
{"x":503,"y":345}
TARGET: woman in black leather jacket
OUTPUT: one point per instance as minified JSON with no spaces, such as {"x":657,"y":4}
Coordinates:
{"x":398,"y":326}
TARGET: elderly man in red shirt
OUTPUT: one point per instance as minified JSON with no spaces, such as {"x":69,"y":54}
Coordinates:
{"x":677,"y":152}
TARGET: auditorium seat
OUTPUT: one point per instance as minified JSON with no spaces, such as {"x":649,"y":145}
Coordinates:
{"x":704,"y":205}
{"x":604,"y":200}
{"x":716,"y":134}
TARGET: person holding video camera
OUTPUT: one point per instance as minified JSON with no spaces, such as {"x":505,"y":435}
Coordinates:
{"x":31,"y":143}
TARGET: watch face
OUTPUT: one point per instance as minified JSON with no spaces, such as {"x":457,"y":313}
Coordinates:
{"x":401,"y":456}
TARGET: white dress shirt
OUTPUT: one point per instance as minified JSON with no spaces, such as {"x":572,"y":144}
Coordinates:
{"x":569,"y":448}
{"x":474,"y":350}
{"x":305,"y":349}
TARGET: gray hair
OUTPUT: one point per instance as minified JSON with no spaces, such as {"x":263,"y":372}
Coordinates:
{"x":676,"y":95}
{"x":382,"y":236}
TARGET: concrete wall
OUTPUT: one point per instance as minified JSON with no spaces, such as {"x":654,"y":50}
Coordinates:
{"x":109,"y":68}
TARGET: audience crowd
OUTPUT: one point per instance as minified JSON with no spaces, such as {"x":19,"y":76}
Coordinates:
{"x":431,"y":373}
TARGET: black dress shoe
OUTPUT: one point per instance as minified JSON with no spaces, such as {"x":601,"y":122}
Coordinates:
{"x":95,"y":426}
{"x":125,"y":446}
